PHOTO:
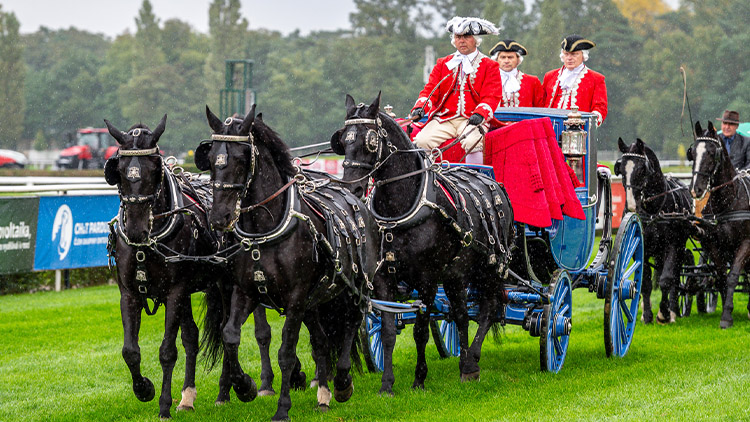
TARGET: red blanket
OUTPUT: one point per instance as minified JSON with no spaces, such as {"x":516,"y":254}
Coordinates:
{"x":527,"y":160}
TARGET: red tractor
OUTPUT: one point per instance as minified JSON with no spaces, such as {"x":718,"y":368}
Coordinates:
{"x":89,"y":150}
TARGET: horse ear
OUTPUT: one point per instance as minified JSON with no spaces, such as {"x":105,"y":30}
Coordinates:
{"x":160,"y":128}
{"x":372,"y":111}
{"x":213,"y":122}
{"x":698,"y":129}
{"x":711,"y":128}
{"x":617,"y":167}
{"x":336,"y":145}
{"x":247,"y":123}
{"x":689,"y":154}
{"x":116,"y":133}
{"x":621,"y":145}
{"x":201,"y":156}
{"x":639,"y":144}
{"x":111,"y":174}
{"x":350,"y":106}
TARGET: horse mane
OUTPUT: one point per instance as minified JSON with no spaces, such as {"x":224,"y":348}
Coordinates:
{"x":278,"y":149}
{"x":393,"y":128}
{"x":138,"y":125}
{"x":648,"y":152}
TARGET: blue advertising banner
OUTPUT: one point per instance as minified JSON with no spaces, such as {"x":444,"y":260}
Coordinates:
{"x":72,"y":231}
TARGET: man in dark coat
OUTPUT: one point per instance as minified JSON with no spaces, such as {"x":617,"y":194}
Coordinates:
{"x":737,"y":145}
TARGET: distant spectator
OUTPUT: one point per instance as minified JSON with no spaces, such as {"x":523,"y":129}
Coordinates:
{"x":737,"y":145}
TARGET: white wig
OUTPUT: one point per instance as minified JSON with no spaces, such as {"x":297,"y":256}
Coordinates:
{"x":585,"y":55}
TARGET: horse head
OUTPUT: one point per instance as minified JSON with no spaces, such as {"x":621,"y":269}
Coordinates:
{"x":240,"y":150}
{"x":137,"y":170}
{"x":637,"y":166}
{"x":707,"y":155}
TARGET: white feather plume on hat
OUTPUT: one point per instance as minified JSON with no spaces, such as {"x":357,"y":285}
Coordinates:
{"x":471,"y":26}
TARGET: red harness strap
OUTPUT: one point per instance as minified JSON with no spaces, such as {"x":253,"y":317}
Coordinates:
{"x":447,"y":195}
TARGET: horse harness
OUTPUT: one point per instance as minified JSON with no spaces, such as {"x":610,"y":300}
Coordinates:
{"x":345,"y":231}
{"x":483,"y":192}
{"x":155,"y":241}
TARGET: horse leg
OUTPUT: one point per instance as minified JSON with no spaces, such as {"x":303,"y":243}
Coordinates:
{"x":130,"y":309}
{"x":385,"y":290}
{"x":168,"y":349}
{"x":225,"y":382}
{"x":343,"y":385}
{"x":488,"y":310}
{"x":319,"y":344}
{"x":242,"y":305}
{"x":647,"y":285}
{"x":740,"y":258}
{"x":422,"y":336}
{"x":287,"y":359}
{"x":667,"y":280}
{"x":189,"y":334}
{"x":263,"y":338}
{"x":456,"y":293}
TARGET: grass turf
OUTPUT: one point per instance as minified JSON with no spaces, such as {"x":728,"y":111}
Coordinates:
{"x":60,"y":361}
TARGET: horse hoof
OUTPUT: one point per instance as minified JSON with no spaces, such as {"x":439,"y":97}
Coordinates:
{"x":314,"y":383}
{"x":343,"y":395}
{"x":181,"y":408}
{"x":647,"y":318}
{"x":144,"y":390}
{"x":299,"y":382}
{"x":472,"y":376}
{"x":417,"y":386}
{"x":323,"y":408}
{"x":218,"y":403}
{"x":387,"y":392}
{"x":266,"y":392}
{"x":165,"y":418}
{"x":278,"y":417}
{"x":672,"y":317}
{"x":661,"y":320}
{"x":724,"y":324}
{"x":246,"y":390}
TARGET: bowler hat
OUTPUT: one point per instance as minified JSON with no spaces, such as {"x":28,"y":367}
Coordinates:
{"x":730,"y":116}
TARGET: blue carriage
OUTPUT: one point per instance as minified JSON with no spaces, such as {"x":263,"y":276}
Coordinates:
{"x":551,"y":262}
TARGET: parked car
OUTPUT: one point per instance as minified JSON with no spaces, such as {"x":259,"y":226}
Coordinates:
{"x":12,"y":159}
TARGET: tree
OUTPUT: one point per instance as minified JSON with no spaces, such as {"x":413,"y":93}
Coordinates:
{"x":642,"y":14}
{"x":12,"y":73}
{"x":544,"y":47}
{"x":226,"y":28}
{"x":511,"y":19}
{"x":387,"y":17}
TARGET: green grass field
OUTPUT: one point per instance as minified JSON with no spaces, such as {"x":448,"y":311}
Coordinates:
{"x":60,"y":361}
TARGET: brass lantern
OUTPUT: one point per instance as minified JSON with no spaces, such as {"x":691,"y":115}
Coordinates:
{"x":574,"y":136}
{"x":573,"y":142}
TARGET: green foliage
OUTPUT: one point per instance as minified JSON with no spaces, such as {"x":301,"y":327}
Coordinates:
{"x":11,"y":81}
{"x":40,"y":141}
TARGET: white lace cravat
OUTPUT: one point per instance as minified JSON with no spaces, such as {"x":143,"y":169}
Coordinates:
{"x":510,"y":81}
{"x":568,"y":77}
{"x":463,"y":60}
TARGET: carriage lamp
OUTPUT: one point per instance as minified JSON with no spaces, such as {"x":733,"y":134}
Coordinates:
{"x":573,"y":142}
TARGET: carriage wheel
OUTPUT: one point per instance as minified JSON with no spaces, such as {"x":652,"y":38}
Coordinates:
{"x":370,"y":335}
{"x":556,"y":323}
{"x":446,"y":338}
{"x":684,"y":295}
{"x":623,"y":286}
{"x":707,"y":297}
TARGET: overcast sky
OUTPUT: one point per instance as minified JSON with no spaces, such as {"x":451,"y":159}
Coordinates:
{"x":113,"y":17}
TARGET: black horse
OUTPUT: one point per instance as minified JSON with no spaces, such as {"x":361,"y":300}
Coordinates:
{"x":726,"y":237}
{"x":663,"y":203}
{"x":439,"y":225}
{"x":159,"y":228}
{"x":305,"y":248}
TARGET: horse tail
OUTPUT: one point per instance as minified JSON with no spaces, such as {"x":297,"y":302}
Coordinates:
{"x":336,"y":324}
{"x":212,"y":343}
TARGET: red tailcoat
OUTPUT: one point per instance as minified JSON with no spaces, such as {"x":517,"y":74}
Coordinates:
{"x":531,"y":93}
{"x":461,"y":95}
{"x":589,"y":93}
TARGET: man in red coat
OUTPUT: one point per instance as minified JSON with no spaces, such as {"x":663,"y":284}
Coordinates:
{"x":462,"y":93}
{"x":574,"y":84}
{"x":519,"y":89}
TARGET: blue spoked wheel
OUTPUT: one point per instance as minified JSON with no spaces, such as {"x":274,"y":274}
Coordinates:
{"x":623,"y":291}
{"x":373,"y":344}
{"x":447,"y":341}
{"x":556,"y":323}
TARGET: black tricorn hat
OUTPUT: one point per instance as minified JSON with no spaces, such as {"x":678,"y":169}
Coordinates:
{"x":470,"y":26}
{"x":573,"y":43}
{"x":509,"y":45}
